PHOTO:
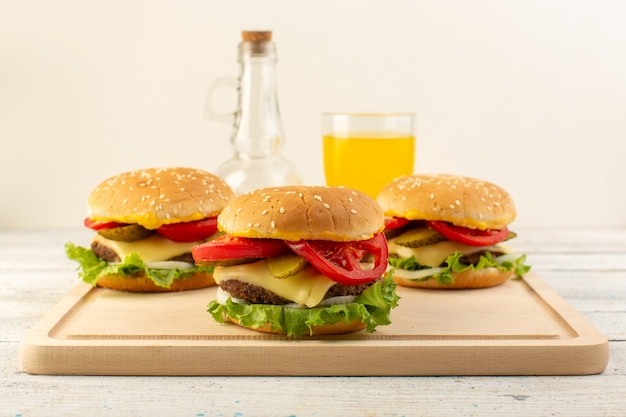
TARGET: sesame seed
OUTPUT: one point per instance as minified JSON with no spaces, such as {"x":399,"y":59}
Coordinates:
{"x":353,"y":211}
{"x":326,"y":205}
{"x":273,"y":224}
{"x":317,"y":197}
{"x":282,"y":210}
{"x":264,"y":212}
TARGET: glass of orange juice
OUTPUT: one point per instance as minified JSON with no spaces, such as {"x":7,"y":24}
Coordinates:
{"x":366,"y":151}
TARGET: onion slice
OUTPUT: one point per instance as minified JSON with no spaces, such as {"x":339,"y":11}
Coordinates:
{"x":169,"y":265}
{"x":419,"y":274}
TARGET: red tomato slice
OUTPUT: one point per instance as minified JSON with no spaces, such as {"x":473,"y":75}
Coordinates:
{"x":99,"y":225}
{"x":340,"y":261}
{"x":469,"y":236}
{"x":189,"y":231}
{"x":231,"y":247}
{"x":395,"y":222}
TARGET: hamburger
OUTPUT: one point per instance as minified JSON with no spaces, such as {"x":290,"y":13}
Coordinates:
{"x":301,"y":260}
{"x":146,"y":222}
{"x":448,"y":231}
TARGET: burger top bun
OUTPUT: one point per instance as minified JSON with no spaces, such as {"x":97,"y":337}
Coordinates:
{"x":303,"y":212}
{"x":157,"y":196}
{"x":463,"y":201}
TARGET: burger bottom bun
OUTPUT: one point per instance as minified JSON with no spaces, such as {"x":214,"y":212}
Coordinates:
{"x":340,"y":327}
{"x":488,"y":277}
{"x":143,"y":284}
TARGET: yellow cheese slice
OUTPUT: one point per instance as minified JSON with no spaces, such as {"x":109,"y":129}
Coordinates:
{"x":308,"y":287}
{"x":434,"y":255}
{"x":153,"y":249}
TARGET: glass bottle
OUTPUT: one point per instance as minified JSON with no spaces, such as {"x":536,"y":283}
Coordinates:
{"x":257,"y":136}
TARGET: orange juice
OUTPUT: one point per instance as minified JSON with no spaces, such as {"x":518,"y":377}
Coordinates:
{"x":367,"y":162}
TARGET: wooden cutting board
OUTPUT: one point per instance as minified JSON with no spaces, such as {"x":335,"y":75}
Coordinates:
{"x":519,"y":328}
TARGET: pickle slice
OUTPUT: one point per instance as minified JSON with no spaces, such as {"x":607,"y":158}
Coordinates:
{"x":286,"y":265}
{"x":226,"y":262}
{"x":419,"y":236}
{"x":128,"y":233}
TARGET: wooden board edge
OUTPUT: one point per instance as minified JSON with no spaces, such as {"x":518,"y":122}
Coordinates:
{"x":426,"y":361}
{"x":38,"y":353}
{"x":36,"y":345}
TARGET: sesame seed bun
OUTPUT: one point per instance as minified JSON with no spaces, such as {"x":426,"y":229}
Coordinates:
{"x":303,"y":212}
{"x":463,"y":201}
{"x":140,"y":283}
{"x":152,"y":198}
{"x":484,"y":278}
{"x":157,"y":196}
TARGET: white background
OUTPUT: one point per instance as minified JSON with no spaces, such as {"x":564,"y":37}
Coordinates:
{"x":528,"y":94}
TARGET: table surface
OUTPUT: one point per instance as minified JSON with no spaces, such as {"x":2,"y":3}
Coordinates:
{"x":586,"y":267}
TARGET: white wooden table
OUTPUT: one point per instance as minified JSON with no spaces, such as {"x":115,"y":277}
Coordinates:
{"x":586,"y":267}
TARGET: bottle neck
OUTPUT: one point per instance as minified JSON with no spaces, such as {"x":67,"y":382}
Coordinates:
{"x":258,"y":129}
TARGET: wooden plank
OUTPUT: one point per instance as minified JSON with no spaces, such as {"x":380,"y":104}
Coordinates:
{"x":590,"y":262}
{"x":571,"y":240}
{"x":596,"y":395}
{"x":519,"y":328}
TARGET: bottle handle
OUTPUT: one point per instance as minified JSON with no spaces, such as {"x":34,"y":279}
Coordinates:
{"x":210,"y":112}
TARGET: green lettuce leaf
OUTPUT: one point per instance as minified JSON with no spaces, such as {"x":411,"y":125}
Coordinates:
{"x":91,"y":267}
{"x":453,"y":264}
{"x":372,"y":307}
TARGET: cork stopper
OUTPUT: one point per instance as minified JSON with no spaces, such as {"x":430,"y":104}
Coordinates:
{"x":256,"y":36}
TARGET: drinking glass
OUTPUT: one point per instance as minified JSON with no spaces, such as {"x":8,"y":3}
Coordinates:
{"x":366,"y":151}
